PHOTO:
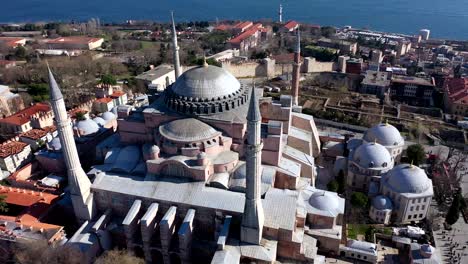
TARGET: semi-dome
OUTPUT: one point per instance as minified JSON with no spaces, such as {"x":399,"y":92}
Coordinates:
{"x":98,"y":120}
{"x":406,"y":178}
{"x":206,"y":82}
{"x":87,"y":127}
{"x":384,"y":134}
{"x":187,"y":130}
{"x":325,"y":201}
{"x":108,"y":116}
{"x":381,"y":202}
{"x":373,"y":155}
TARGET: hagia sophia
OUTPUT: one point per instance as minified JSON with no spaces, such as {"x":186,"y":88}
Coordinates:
{"x":214,"y":172}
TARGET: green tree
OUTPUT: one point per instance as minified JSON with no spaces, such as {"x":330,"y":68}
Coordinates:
{"x":39,"y":91}
{"x":80,"y":116}
{"x":20,"y":52}
{"x":108,"y":79}
{"x":211,"y":61}
{"x":3,"y":204}
{"x":454,"y":211}
{"x":328,"y":31}
{"x":370,"y":231}
{"x":359,"y":200}
{"x":332,"y":186}
{"x":416,"y":154}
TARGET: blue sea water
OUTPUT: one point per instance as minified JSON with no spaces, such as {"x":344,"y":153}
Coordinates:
{"x":445,"y":18}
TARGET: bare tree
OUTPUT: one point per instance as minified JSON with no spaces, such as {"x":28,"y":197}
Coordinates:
{"x":118,"y":257}
{"x":39,"y":252}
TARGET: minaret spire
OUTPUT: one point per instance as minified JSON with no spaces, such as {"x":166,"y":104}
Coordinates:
{"x":296,"y":69}
{"x":253,"y":218}
{"x":80,"y":185}
{"x":280,"y":13}
{"x":175,"y":47}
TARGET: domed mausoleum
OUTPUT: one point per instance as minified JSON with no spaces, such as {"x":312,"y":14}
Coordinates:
{"x":388,"y":136}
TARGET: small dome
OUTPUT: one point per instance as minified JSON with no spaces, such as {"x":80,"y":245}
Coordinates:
{"x":373,"y":155}
{"x":406,"y":178}
{"x":206,"y":82}
{"x":384,"y":134}
{"x":427,"y":250}
{"x":324,"y":201}
{"x":98,"y":120}
{"x":382,"y":203}
{"x":55,"y":144}
{"x":108,"y":116}
{"x":87,"y":127}
{"x":187,"y":130}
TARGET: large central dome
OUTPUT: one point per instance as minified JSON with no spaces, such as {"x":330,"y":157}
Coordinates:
{"x":205,"y":90}
{"x":206,"y":82}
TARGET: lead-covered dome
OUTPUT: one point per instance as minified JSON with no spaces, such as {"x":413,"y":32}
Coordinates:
{"x":373,"y":156}
{"x":384,"y":134}
{"x":206,"y":82}
{"x":381,"y":202}
{"x":406,"y":178}
{"x":205,"y":90}
{"x":187,"y":130}
{"x":325,"y":201}
{"x":87,"y":127}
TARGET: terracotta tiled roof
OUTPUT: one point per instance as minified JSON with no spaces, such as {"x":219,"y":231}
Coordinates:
{"x":34,"y":134}
{"x":223,"y":27}
{"x":74,"y":40}
{"x":11,"y":148}
{"x":6,"y":62}
{"x":242,"y":25}
{"x":118,"y":93}
{"x":457,"y":90}
{"x":10,"y":41}
{"x":23,"y":116}
{"x":291,"y":24}
{"x":104,"y":100}
{"x":50,"y":129}
{"x":246,"y":34}
{"x":74,"y":111}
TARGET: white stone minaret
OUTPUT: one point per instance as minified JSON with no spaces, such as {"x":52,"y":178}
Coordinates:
{"x":175,"y":46}
{"x":280,"y":13}
{"x":253,"y":218}
{"x":80,"y":185}
{"x":296,"y":70}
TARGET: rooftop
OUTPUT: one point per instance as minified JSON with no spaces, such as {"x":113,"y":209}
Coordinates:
{"x":74,"y":40}
{"x":11,"y":148}
{"x":457,"y":90}
{"x":412,"y":80}
{"x":291,"y":24}
{"x":34,"y":134}
{"x":376,"y":78}
{"x":104,"y":100}
{"x":23,"y":116}
{"x":246,"y":34}
{"x":10,"y":41}
{"x":155,"y":73}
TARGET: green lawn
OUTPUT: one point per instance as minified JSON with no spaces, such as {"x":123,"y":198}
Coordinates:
{"x":147,"y":44}
{"x":356,"y":229}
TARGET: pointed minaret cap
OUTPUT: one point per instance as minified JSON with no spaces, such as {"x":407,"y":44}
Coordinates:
{"x":254,"y":111}
{"x":55,"y":93}
{"x":205,"y":63}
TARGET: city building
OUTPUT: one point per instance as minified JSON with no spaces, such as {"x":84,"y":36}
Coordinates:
{"x":36,"y":138}
{"x":354,"y":66}
{"x":13,"y":155}
{"x":242,"y":27}
{"x":7,"y":64}
{"x":23,"y":222}
{"x":456,"y":96}
{"x":376,"y":83}
{"x":247,"y":39}
{"x":412,"y":90}
{"x":10,"y":103}
{"x":74,"y":43}
{"x":381,"y":209}
{"x":158,"y":78}
{"x":360,"y":250}
{"x":290,"y":26}
{"x":37,"y":116}
{"x":387,"y":136}
{"x":12,"y":42}
{"x":422,"y":254}
{"x":366,"y":164}
{"x":345,"y":47}
{"x":410,"y":191}
{"x":209,"y":163}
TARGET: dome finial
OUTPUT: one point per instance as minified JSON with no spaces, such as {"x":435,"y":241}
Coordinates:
{"x":386,"y":121}
{"x":412,"y":165}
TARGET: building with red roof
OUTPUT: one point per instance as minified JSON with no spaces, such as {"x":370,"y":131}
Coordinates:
{"x":456,"y":96}
{"x":7,"y":64}
{"x":290,"y":26}
{"x":37,"y":137}
{"x":12,"y":42}
{"x":242,"y":26}
{"x":247,"y":39}
{"x":37,"y":116}
{"x":13,"y":155}
{"x":23,"y":220}
{"x":75,"y":43}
